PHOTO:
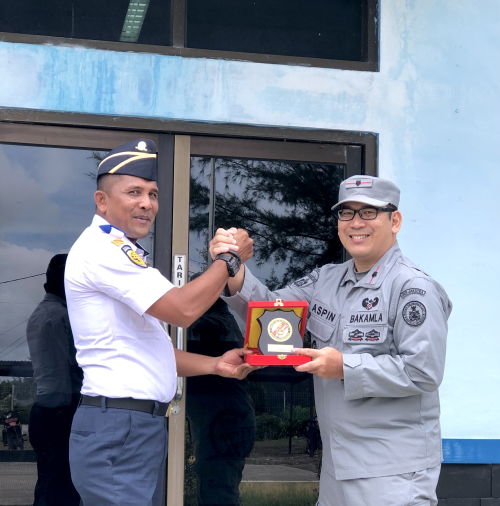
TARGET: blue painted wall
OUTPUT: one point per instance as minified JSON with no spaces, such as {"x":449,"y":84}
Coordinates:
{"x":435,"y":105}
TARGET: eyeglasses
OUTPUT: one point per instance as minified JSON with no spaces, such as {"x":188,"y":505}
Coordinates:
{"x":367,"y":213}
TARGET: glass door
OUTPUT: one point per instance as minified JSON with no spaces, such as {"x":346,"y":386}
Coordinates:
{"x":254,"y":441}
{"x":46,"y":200}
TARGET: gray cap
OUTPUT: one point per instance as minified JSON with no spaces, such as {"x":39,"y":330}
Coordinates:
{"x":370,"y":190}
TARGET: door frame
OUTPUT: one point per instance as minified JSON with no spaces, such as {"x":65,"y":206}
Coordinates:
{"x":187,"y":146}
{"x":55,"y":136}
{"x":176,"y":142}
{"x":368,"y":140}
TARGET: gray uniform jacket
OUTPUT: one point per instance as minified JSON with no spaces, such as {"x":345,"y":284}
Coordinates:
{"x":391,"y":327}
{"x":53,"y":353}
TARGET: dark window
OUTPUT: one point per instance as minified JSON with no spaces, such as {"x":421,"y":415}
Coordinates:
{"x":328,"y":29}
{"x":319,"y":33}
{"x":136,"y":21}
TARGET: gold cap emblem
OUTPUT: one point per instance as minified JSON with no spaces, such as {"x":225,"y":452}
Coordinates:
{"x":142,"y":146}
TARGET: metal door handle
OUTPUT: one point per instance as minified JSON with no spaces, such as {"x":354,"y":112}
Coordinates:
{"x":178,"y":280}
{"x":180,"y":380}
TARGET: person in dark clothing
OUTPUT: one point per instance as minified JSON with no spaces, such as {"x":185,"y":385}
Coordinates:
{"x":59,"y":380}
{"x":220,"y":412}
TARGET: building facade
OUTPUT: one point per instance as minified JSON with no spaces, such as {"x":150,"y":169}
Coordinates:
{"x":400,"y":89}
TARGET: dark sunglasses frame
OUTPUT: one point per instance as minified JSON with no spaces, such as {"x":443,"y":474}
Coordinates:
{"x":376,"y":209}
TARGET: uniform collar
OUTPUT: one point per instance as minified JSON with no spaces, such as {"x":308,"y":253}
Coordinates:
{"x":349,"y":275}
{"x":139,"y":249}
{"x":117,"y":233}
{"x":377,"y":273}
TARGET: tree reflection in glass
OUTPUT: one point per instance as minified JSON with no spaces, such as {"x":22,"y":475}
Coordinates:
{"x":285,"y":207}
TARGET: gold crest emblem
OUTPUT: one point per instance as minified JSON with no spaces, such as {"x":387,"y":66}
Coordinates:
{"x":281,"y":357}
{"x":118,"y":242}
{"x":279,"y":329}
{"x":134,"y":257}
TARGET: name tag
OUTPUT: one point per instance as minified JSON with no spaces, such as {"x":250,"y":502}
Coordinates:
{"x":360,"y":317}
{"x":325,"y":314}
{"x":281,"y":348}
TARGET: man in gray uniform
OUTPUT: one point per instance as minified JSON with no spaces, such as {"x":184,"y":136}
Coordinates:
{"x":58,"y":383}
{"x":379,"y":327}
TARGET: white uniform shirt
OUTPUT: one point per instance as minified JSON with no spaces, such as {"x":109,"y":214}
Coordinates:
{"x":123,"y":351}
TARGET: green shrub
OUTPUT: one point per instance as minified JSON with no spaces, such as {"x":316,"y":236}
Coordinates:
{"x":300,"y":416}
{"x":268,"y":427}
{"x":271,"y":427}
{"x":284,"y":497}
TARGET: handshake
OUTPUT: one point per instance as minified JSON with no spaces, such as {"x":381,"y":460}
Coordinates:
{"x":232,"y":239}
{"x":327,"y":363}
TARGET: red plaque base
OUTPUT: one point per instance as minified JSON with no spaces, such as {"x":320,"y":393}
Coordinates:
{"x":274,"y":360}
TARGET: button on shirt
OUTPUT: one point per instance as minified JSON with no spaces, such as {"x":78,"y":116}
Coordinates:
{"x":123,"y":351}
{"x":391,"y":328}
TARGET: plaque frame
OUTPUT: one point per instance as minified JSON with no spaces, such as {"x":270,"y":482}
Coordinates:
{"x":299,"y":307}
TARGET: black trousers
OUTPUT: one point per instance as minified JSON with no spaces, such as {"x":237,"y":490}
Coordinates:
{"x":49,"y":430}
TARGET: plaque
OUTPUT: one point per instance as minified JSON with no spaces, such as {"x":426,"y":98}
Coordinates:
{"x":273,"y":330}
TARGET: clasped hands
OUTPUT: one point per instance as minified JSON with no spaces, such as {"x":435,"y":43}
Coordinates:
{"x":232,"y":239}
{"x":326,"y":363}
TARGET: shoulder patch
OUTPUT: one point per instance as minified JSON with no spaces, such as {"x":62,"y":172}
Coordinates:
{"x":414,"y":313}
{"x":412,"y":291}
{"x":134,"y":257}
{"x":118,"y":242}
{"x":311,"y":278}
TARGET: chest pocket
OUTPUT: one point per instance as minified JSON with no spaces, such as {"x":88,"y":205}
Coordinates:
{"x":322,"y":321}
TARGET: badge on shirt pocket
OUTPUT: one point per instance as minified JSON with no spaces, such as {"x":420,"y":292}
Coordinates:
{"x":365,"y":335}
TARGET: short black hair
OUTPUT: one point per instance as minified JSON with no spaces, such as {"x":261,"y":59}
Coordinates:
{"x":393,"y":208}
{"x":102,"y":180}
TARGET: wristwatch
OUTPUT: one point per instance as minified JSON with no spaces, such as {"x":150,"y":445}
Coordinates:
{"x":233,"y":262}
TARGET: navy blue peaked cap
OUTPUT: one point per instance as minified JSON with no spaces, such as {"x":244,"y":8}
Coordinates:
{"x":135,"y":158}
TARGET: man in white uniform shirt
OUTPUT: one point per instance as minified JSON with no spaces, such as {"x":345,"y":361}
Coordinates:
{"x":118,"y":441}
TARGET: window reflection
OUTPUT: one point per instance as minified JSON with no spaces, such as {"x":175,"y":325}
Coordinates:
{"x":46,"y":201}
{"x":286,"y":208}
{"x":45,"y":204}
{"x":219,"y":410}
{"x":142,"y":22}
